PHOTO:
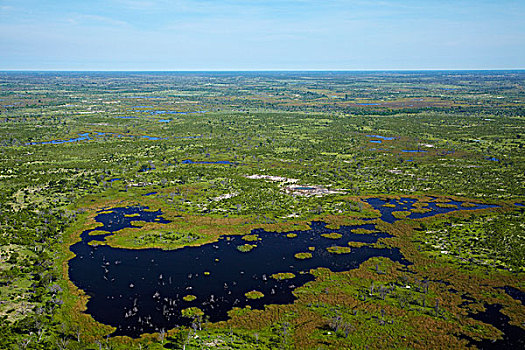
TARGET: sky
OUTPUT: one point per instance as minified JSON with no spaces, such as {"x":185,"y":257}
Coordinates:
{"x":261,"y":34}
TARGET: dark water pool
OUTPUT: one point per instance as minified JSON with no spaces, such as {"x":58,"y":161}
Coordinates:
{"x":189,"y":161}
{"x":140,"y":291}
{"x":406,"y":204}
{"x":515,"y":293}
{"x":513,"y":336}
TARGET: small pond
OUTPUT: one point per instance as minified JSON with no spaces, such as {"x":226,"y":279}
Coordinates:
{"x":386,"y":138}
{"x":189,"y":161}
{"x":81,"y":137}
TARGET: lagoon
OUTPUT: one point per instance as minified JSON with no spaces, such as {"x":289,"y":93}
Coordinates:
{"x":142,"y":291}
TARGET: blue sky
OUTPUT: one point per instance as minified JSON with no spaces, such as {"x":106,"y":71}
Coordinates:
{"x":261,"y":35}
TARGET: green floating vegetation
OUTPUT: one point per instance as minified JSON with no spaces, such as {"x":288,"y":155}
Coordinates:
{"x":105,"y":212}
{"x":254,"y":294}
{"x":192,"y":312}
{"x":339,"y":250}
{"x":189,"y":297}
{"x":332,"y":235}
{"x":138,"y":223}
{"x":251,"y":238}
{"x":282,"y":276}
{"x":245,"y":248}
{"x":446,"y":205}
{"x":401,"y":214}
{"x":291,"y":235}
{"x":311,"y":249}
{"x":302,"y":256}
{"x":357,"y":244}
{"x":420,"y":210}
{"x":362,"y":231}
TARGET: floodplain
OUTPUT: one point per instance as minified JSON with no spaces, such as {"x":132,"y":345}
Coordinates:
{"x":262,"y":210}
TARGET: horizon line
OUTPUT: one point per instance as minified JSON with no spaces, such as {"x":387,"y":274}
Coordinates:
{"x":268,"y":70}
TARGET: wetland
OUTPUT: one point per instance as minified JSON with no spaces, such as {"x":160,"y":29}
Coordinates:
{"x":194,"y":210}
